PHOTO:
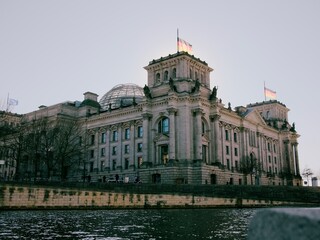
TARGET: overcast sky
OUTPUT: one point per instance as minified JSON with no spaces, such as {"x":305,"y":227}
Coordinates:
{"x":54,"y":51}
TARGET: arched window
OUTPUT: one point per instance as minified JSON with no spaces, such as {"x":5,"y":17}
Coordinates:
{"x":174,"y":73}
{"x":163,"y":125}
{"x":158,"y":77}
{"x":166,"y":76}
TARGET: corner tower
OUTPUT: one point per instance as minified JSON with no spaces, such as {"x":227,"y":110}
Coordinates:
{"x":180,"y":70}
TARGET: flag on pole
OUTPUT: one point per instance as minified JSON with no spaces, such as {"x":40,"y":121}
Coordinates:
{"x":184,"y":46}
{"x":269,"y":94}
{"x":12,"y":102}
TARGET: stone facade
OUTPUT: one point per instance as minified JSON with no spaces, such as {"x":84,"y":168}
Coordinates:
{"x":181,"y":132}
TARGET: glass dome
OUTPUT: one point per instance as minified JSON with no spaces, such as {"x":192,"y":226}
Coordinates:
{"x":122,"y":95}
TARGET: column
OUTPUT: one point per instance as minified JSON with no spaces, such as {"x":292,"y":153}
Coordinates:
{"x":146,"y":138}
{"x":132,"y":145}
{"x":108,"y":154}
{"x":172,"y":136}
{"x":215,"y":146}
{"x":296,"y":158}
{"x":197,"y":138}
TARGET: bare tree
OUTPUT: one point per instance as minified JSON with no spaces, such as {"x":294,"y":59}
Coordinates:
{"x":249,"y":165}
{"x":306,"y":173}
{"x":67,"y":148}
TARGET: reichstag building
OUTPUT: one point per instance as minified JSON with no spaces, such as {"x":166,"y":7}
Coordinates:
{"x":176,"y":130}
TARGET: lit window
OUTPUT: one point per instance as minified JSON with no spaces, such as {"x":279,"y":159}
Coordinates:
{"x":139,"y":161}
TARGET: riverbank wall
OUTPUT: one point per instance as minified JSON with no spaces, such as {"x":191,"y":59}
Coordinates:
{"x":116,"y":196}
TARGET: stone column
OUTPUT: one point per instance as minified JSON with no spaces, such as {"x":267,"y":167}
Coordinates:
{"x":132,"y":145}
{"x":108,"y":166}
{"x":119,"y":148}
{"x":172,"y":136}
{"x":146,"y":138}
{"x":296,"y":158}
{"x":197,"y":136}
{"x":287,"y":157}
{"x":215,"y":146}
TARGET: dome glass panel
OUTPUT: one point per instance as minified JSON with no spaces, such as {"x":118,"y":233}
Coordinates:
{"x":122,"y":95}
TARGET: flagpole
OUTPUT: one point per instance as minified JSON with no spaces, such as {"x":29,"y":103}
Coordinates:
{"x":7,"y":103}
{"x":177,"y":39}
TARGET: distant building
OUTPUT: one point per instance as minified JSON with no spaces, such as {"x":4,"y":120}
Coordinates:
{"x":314,"y":182}
{"x":176,"y":130}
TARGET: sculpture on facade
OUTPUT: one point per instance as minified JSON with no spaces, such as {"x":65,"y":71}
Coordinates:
{"x":172,"y":86}
{"x":147,"y":92}
{"x":196,"y":87}
{"x":213,"y":95}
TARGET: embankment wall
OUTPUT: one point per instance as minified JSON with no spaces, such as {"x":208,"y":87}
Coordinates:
{"x":24,"y":196}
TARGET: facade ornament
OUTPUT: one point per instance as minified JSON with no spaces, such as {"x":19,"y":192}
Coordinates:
{"x":213,"y":95}
{"x":147,"y":92}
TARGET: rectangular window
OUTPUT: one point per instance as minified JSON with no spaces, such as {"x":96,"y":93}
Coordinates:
{"x":236,"y":151}
{"x":92,"y":140}
{"x":227,"y":150}
{"x":126,"y":163}
{"x":227,"y":134}
{"x":115,"y":136}
{"x":91,"y":166}
{"x":237,"y":166}
{"x":269,"y":158}
{"x":103,"y":137}
{"x":114,"y":150}
{"x":140,"y":131}
{"x":102,"y":152}
{"x":92,"y":153}
{"x":275,"y":160}
{"x":139,"y":162}
{"x":235,"y":137}
{"x":127,"y":133}
{"x":228,"y":164}
{"x":114,"y":164}
{"x":139,"y":148}
{"x":274,"y":147}
{"x":269,"y":147}
{"x":126,"y":149}
{"x":102,"y":166}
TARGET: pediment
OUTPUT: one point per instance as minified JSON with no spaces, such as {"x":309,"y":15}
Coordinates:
{"x":161,"y":137}
{"x":253,"y":116}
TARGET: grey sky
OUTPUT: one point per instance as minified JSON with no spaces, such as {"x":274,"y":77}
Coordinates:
{"x":54,"y":51}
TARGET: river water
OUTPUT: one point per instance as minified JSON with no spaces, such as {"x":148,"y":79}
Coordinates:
{"x":126,"y":224}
